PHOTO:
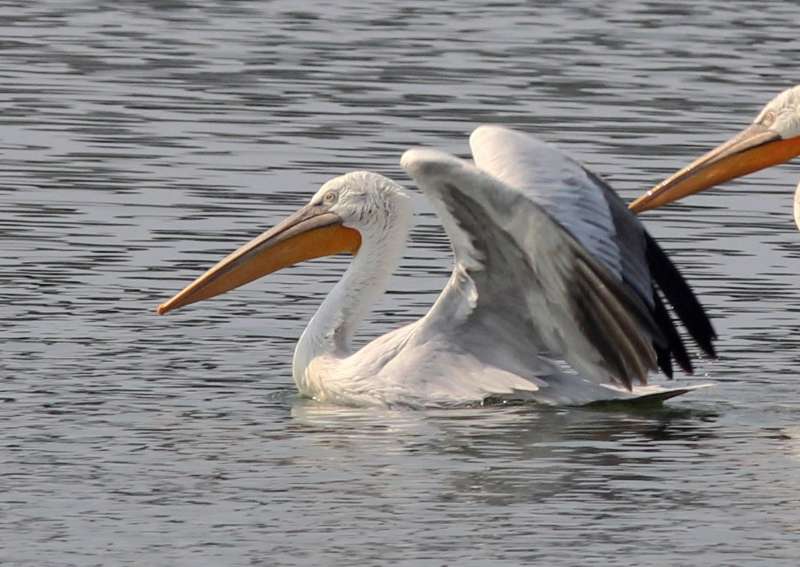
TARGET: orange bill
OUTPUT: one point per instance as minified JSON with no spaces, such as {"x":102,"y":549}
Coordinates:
{"x":312,"y":232}
{"x":755,"y":148}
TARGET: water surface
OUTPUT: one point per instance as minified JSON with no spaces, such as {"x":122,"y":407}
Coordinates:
{"x":141,"y":141}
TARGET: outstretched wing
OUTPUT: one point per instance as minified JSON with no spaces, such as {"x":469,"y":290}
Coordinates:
{"x":525,"y":282}
{"x":540,"y":272}
{"x":576,"y":198}
{"x":594,"y":214}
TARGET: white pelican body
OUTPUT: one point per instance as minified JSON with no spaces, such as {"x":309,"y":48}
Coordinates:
{"x":772,"y":138}
{"x":549,"y":266}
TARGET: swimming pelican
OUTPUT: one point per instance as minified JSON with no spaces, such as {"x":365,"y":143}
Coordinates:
{"x":549,"y":266}
{"x":772,"y":138}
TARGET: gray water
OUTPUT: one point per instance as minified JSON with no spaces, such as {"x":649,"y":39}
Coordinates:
{"x":141,"y":141}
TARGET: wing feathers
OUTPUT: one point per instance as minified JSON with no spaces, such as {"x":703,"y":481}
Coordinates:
{"x":513,"y":250}
{"x":674,"y":346}
{"x":681,"y":297}
{"x":578,"y":289}
{"x":593,"y":213}
{"x":615,"y":324}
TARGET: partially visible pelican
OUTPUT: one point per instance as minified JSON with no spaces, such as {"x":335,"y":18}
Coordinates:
{"x":772,"y":138}
{"x":549,"y":266}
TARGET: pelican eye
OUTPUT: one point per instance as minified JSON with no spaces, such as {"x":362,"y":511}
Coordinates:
{"x":330,"y":197}
{"x":769,"y":119}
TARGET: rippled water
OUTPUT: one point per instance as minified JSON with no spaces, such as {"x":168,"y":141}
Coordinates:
{"x":140,"y":141}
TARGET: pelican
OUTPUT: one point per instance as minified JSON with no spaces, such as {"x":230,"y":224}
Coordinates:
{"x":772,"y":138}
{"x":555,"y":296}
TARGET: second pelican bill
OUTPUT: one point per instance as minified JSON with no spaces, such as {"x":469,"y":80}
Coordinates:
{"x":772,"y":138}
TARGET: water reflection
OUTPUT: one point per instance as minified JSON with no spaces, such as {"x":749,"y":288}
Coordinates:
{"x":525,"y":454}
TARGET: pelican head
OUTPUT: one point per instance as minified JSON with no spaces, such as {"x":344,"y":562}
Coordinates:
{"x":772,"y":138}
{"x":334,"y":221}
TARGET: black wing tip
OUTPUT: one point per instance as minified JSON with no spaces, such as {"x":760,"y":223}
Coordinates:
{"x":664,"y":359}
{"x":684,"y":302}
{"x":673,"y":346}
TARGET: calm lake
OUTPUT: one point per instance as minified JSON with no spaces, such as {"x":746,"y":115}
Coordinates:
{"x":142,"y":141}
